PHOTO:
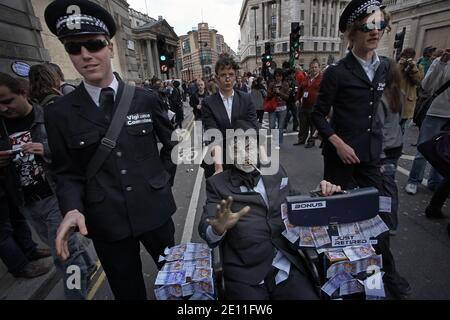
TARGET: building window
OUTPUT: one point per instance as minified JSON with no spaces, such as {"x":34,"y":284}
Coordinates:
{"x":302,"y":44}
{"x":273,"y":34}
{"x":302,"y":15}
{"x":314,"y":17}
{"x":258,"y":50}
{"x":314,"y":2}
{"x":186,"y":46}
{"x":315,"y":46}
{"x":273,"y":20}
{"x":285,"y":47}
{"x":332,"y":47}
{"x":324,"y":46}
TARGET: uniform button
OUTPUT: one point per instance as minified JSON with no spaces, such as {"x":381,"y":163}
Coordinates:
{"x":129,"y":189}
{"x":371,"y":103}
{"x":82,"y":143}
{"x":368,"y":130}
{"x":371,"y":89}
{"x":370,"y":117}
{"x":124,"y":172}
{"x":144,"y":131}
{"x":119,"y":154}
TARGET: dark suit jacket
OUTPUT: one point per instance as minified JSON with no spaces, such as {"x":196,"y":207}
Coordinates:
{"x":131,"y":194}
{"x":354,"y":98}
{"x":249,"y":247}
{"x":214,"y":113}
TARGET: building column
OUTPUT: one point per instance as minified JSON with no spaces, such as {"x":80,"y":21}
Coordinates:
{"x":336,"y":18}
{"x":320,"y":18}
{"x":156,"y":55}
{"x":311,"y":20}
{"x":263,"y":21}
{"x":150,"y":64}
{"x":328,"y":33}
{"x":279,"y":19}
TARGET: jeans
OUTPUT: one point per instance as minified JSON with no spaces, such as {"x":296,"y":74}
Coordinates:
{"x":16,"y":243}
{"x":45,"y":217}
{"x":440,"y":195}
{"x":431,"y":126}
{"x":278,"y":116}
{"x":389,"y":187}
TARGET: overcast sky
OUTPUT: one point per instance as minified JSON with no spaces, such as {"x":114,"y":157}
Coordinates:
{"x":182,"y":15}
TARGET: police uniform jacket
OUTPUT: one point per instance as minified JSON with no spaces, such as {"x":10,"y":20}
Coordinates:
{"x":131,"y":193}
{"x":248,"y":249}
{"x":347,"y":90}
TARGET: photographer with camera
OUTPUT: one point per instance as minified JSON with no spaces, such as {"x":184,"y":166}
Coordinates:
{"x":411,"y":76}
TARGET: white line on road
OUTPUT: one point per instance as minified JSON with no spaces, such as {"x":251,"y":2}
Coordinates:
{"x":406,"y":173}
{"x":407,"y":157}
{"x":192,"y":211}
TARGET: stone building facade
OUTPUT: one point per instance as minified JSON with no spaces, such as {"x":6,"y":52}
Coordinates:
{"x":320,"y":20}
{"x":427,"y":23}
{"x":145,"y":35}
{"x":20,"y":42}
{"x":199,"y":50}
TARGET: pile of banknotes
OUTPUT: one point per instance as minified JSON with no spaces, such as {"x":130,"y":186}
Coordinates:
{"x":187,"y":273}
{"x":351,"y":234}
{"x":354,"y":266}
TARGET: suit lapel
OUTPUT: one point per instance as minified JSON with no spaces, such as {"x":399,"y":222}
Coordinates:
{"x":355,"y":67}
{"x":88,"y":110}
{"x":235,"y":107}
{"x":221,"y":111}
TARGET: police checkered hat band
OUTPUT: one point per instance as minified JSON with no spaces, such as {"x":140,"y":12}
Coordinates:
{"x":362,"y":10}
{"x":80,"y":24}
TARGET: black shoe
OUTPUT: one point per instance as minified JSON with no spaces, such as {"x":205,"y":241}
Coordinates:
{"x":433,"y":213}
{"x":39,"y":253}
{"x":310,"y":144}
{"x":34,"y":269}
{"x":398,"y":287}
{"x":299,"y":143}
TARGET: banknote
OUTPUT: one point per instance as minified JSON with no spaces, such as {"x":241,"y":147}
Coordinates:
{"x":355,"y":267}
{"x":351,"y":287}
{"x":320,"y":236}
{"x":204,"y":286}
{"x":336,"y":256}
{"x":201,"y":296}
{"x":348,"y":229}
{"x":379,"y":226}
{"x":196,"y":255}
{"x":173,"y":266}
{"x":306,"y":237}
{"x":284,"y":211}
{"x":169,"y":278}
{"x":359,"y":252}
{"x":168,"y":292}
{"x":201,"y":274}
{"x":335,"y":283}
{"x":292,"y":237}
{"x":366,"y":228}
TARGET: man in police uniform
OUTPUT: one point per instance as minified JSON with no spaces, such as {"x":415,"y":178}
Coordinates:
{"x":129,"y":201}
{"x":353,"y":138}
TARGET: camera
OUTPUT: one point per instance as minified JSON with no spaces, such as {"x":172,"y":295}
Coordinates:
{"x":409,"y":65}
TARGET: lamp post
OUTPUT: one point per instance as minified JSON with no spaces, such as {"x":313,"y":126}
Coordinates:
{"x":254,"y":8}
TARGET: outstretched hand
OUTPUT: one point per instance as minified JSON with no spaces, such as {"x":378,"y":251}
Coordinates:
{"x":73,"y":219}
{"x":225,"y":219}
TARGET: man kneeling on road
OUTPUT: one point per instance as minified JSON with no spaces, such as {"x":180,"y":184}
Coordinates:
{"x":243,"y":215}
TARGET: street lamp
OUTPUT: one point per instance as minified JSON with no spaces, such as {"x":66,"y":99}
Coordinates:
{"x":254,"y":8}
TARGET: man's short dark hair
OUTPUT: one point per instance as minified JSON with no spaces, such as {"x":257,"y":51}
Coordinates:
{"x":408,"y":53}
{"x":226,"y":61}
{"x":16,"y":86}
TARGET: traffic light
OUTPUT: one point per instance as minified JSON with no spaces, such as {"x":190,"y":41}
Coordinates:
{"x":166,"y":60}
{"x":267,"y":56}
{"x":294,"y":42}
{"x":398,"y":44}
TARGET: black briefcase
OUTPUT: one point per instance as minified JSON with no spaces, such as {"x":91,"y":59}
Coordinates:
{"x":347,"y":207}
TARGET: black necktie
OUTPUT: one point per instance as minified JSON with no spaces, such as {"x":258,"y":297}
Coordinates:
{"x":107,"y":102}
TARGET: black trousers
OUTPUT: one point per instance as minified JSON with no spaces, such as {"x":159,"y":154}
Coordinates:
{"x":121,"y":260}
{"x":440,"y":195}
{"x":292,"y":111}
{"x":306,"y":126}
{"x":297,"y":286}
{"x":366,"y":174}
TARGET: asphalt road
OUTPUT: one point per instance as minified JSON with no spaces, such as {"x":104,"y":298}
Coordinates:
{"x":421,"y":246}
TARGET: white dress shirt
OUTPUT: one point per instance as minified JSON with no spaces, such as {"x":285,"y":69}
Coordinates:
{"x":228,"y":103}
{"x":94,"y":92}
{"x":370,"y":67}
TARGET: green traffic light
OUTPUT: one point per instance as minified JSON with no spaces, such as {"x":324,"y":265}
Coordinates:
{"x":163,"y":58}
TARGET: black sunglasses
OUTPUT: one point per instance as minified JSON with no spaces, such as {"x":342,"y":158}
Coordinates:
{"x":74,"y":47}
{"x":367,"y":27}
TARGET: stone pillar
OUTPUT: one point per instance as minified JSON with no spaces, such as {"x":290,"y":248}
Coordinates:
{"x":320,"y":18}
{"x":151,"y":66}
{"x":328,"y":33}
{"x":263,"y":21}
{"x":156,"y":55}
{"x":337,"y":16}
{"x":279,"y":18}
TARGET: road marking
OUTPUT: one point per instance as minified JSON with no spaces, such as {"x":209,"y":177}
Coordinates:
{"x":407,"y":157}
{"x":98,"y":283}
{"x":406,"y":173}
{"x":192,"y":211}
